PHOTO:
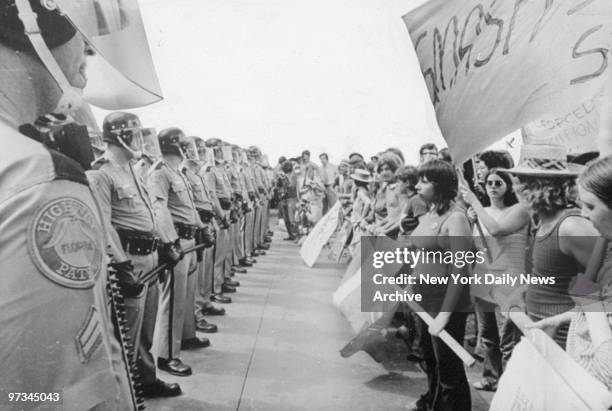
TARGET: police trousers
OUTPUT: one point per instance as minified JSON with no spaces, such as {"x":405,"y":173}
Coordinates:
{"x":173,"y":305}
{"x":146,"y":306}
{"x":238,"y":240}
{"x":205,"y":282}
{"x":249,"y":226}
{"x":223,"y":259}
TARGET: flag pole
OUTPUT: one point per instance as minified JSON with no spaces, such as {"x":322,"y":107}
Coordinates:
{"x":462,"y":180}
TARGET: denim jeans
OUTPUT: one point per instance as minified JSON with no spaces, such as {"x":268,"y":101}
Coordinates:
{"x":448,"y":384}
{"x":497,"y":338}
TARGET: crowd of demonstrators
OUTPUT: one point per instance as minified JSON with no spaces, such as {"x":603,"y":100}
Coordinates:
{"x":529,"y":218}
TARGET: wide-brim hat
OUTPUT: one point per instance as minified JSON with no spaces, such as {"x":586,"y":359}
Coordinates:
{"x":545,"y":160}
{"x":361,"y":175}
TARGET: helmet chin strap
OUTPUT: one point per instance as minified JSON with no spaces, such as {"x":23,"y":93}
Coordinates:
{"x":72,"y":97}
{"x":137,"y":154}
{"x":182,"y":153}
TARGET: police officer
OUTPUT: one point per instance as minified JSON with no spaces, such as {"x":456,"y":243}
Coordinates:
{"x":262,"y":191}
{"x":200,"y":287}
{"x":132,"y":228}
{"x":241,"y":253}
{"x":207,"y":292}
{"x":55,"y":326}
{"x":236,"y":213}
{"x":217,"y":180}
{"x":178,"y":221}
{"x":253,"y":195}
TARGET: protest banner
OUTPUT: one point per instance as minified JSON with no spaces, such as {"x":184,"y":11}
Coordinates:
{"x":576,"y":129}
{"x":312,"y":246}
{"x":493,"y":67}
{"x":541,"y":376}
{"x":604,"y":139}
{"x":347,"y":299}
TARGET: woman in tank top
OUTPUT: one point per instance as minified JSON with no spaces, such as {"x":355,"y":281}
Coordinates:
{"x":443,"y":228}
{"x":589,"y":339}
{"x":504,"y":224}
{"x":564,"y":240}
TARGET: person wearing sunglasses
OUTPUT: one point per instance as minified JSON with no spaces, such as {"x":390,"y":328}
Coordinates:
{"x":504,"y":225}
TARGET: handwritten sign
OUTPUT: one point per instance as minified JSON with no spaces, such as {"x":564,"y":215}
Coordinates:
{"x":311,"y":248}
{"x":492,"y":67}
{"x":576,"y":129}
{"x":541,"y":376}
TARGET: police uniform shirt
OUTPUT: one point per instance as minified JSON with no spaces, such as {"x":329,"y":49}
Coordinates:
{"x":234,"y":178}
{"x":171,"y":186}
{"x":201,"y":196}
{"x":217,"y":178}
{"x":54,"y":322}
{"x":244,"y":183}
{"x":249,"y":179}
{"x":259,"y":177}
{"x":123,"y":196}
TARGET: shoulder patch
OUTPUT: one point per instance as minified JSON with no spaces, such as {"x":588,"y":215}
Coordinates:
{"x":65,"y":242}
{"x":67,"y":169}
{"x":99,"y":163}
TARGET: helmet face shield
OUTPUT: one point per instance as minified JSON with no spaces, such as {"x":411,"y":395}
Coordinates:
{"x":227,"y":153}
{"x":150,"y":144}
{"x":236,"y":156}
{"x":201,"y":150}
{"x":121,"y":74}
{"x":97,"y":143}
{"x":190,"y":150}
{"x":209,"y":156}
{"x":136,"y":142}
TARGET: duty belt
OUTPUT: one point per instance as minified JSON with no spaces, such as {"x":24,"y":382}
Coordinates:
{"x":206,"y":215}
{"x":138,"y":243}
{"x":185,"y":231}
{"x":225,"y":203}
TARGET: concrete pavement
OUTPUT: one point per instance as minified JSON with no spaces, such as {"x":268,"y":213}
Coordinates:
{"x":277,"y":349}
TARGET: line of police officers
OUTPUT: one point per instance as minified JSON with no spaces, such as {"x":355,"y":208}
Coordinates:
{"x":162,"y":195}
{"x":83,"y":303}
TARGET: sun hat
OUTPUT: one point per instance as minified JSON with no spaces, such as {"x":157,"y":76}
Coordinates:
{"x":361,"y":175}
{"x":546,"y":160}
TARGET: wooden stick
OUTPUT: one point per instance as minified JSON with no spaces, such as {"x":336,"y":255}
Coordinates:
{"x":462,"y":180}
{"x":446,"y":337}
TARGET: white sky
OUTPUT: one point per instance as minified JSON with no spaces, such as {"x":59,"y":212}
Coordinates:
{"x":287,"y":75}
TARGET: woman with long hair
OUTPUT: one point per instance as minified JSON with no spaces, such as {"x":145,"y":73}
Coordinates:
{"x":504,"y":224}
{"x":444,"y":227}
{"x":564,"y":239}
{"x":589,"y":339}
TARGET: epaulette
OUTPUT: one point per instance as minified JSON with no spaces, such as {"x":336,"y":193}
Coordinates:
{"x":158,"y":164}
{"x":99,"y":162}
{"x":67,"y":169}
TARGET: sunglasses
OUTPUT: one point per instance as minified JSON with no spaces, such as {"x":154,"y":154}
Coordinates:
{"x":495,"y":183}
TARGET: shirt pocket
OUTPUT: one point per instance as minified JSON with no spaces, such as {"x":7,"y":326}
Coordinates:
{"x":198,"y":191}
{"x":180,"y":190}
{"x":126,"y":194}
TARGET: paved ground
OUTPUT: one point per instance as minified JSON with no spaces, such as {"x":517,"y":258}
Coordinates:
{"x":277,"y":349}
